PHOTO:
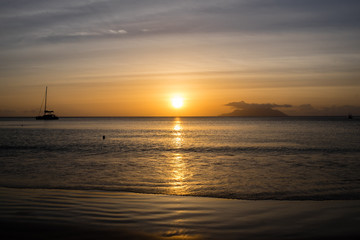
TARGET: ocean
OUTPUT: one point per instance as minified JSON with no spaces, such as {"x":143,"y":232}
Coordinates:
{"x":285,"y":158}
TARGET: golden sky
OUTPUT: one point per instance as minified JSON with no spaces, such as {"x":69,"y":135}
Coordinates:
{"x":129,"y":58}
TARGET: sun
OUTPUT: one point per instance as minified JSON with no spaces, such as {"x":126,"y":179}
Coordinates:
{"x":177,"y":102}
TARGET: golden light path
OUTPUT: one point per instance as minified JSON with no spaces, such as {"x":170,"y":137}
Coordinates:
{"x":178,"y":165}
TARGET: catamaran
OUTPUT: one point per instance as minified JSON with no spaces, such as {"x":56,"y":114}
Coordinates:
{"x":48,"y":114}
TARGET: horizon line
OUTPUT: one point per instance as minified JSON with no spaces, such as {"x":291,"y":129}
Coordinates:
{"x":288,"y":116}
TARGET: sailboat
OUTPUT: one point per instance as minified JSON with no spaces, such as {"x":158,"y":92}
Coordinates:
{"x":48,"y":114}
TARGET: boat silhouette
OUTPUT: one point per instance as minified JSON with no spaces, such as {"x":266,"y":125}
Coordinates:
{"x":48,"y":114}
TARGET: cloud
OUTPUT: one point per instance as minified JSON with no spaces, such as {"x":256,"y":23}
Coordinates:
{"x":77,"y":34}
{"x":334,"y":110}
{"x":81,"y":35}
{"x":26,"y":19}
{"x":244,"y":105}
{"x":120,"y":31}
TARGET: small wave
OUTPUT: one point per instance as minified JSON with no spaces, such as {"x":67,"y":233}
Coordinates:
{"x":288,"y":196}
{"x":100,"y":149}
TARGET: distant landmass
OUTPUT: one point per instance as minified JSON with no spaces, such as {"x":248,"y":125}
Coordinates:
{"x":255,"y":112}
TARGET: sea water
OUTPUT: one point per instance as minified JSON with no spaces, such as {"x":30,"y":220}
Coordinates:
{"x":285,"y":158}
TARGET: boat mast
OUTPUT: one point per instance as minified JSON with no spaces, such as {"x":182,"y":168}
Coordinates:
{"x":45,"y":100}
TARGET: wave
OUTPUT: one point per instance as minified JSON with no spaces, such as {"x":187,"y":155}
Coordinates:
{"x":73,"y":148}
{"x":275,"y":195}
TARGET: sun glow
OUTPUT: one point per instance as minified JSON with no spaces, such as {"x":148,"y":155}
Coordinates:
{"x":177,"y":102}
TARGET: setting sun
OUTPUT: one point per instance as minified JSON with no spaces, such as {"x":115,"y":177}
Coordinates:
{"x":177,"y":102}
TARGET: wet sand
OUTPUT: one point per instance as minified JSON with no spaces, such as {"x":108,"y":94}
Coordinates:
{"x":73,"y":214}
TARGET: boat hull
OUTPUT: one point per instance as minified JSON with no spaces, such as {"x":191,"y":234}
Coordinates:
{"x":47,"y":117}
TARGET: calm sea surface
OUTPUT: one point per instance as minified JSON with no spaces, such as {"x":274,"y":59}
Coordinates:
{"x":242,"y":158}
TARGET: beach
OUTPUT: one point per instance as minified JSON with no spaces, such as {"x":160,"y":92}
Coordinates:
{"x":88,"y":214}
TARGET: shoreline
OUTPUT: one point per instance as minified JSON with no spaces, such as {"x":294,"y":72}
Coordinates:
{"x":249,"y":197}
{"x":84,"y":214}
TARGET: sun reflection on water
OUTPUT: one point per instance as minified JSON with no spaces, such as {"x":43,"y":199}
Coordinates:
{"x":178,"y":170}
{"x":178,"y":175}
{"x":177,"y":133}
{"x":177,"y":127}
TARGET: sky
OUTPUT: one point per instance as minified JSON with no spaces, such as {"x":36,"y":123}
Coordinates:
{"x":130,"y":57}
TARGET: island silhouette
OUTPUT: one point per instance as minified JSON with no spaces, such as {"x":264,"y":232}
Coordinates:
{"x":244,"y":109}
